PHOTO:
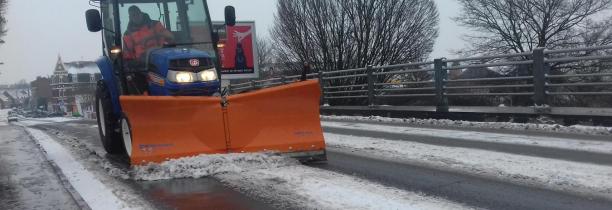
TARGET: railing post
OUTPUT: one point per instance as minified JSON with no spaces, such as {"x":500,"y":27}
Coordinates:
{"x":440,"y":75}
{"x":370,"y":72}
{"x":321,"y":86}
{"x":539,"y":77}
{"x":283,"y":79}
{"x":253,"y":84}
{"x":229,"y":89}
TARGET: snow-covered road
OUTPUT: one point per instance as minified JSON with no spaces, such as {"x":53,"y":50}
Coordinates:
{"x":371,"y":173}
{"x":282,"y":181}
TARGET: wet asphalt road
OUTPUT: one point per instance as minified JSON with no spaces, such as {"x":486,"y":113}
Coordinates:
{"x":471,"y":190}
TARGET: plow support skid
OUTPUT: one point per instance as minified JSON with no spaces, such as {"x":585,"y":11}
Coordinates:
{"x":283,"y":119}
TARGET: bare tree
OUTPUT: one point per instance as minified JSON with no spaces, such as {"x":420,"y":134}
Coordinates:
{"x":264,"y":51}
{"x":268,"y":67}
{"x":3,"y":4}
{"x":333,"y":35}
{"x":516,"y":26}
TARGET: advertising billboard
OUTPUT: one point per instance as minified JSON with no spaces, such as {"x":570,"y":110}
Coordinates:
{"x":237,"y":48}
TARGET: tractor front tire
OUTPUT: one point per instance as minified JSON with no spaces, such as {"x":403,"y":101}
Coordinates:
{"x":108,"y":124}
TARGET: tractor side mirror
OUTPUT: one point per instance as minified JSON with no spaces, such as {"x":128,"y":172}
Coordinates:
{"x":94,"y":21}
{"x":230,"y":16}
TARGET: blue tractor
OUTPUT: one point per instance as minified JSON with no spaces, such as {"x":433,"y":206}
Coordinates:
{"x":160,"y":96}
{"x":186,"y":65}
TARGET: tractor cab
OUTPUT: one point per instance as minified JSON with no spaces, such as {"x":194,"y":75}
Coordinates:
{"x":159,"y":47}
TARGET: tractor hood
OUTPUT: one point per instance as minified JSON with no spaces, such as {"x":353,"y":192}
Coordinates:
{"x":183,"y":59}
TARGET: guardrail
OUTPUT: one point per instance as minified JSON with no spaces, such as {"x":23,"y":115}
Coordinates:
{"x":430,"y":82}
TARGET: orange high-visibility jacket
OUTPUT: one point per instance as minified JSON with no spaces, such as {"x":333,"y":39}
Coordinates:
{"x":134,"y":44}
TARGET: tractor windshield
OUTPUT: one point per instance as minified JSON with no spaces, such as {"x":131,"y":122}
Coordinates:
{"x":159,"y":23}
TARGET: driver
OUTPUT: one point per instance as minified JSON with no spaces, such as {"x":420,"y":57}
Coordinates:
{"x":143,"y":34}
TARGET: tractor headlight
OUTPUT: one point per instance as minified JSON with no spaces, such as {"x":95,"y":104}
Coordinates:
{"x":208,"y":75}
{"x":184,"y":77}
{"x":181,"y":76}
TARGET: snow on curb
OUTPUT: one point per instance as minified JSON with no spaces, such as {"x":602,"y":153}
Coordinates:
{"x":96,"y":194}
{"x":604,"y":147}
{"x":575,"y":129}
{"x":581,"y":178}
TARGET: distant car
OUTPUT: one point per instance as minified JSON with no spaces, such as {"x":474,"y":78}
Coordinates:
{"x":12,"y":118}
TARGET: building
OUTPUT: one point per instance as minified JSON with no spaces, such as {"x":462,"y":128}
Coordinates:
{"x":73,"y":86}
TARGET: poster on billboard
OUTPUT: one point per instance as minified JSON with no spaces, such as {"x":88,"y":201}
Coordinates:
{"x":237,"y":50}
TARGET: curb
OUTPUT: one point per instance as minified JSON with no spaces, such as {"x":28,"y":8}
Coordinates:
{"x":63,"y":180}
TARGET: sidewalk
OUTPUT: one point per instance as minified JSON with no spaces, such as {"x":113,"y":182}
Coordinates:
{"x":27,"y":179}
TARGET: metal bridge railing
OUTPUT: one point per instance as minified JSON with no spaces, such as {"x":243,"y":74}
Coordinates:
{"x":437,"y":81}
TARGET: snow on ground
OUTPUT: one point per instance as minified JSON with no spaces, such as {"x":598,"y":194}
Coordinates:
{"x":280,"y":179}
{"x":580,"y":178}
{"x":537,"y":141}
{"x":38,"y":121}
{"x":274,"y":177}
{"x":96,"y":194}
{"x":577,"y":129}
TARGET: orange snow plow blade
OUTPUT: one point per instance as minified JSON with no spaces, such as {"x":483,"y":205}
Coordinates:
{"x":279,"y":119}
{"x":283,"y":119}
{"x":167,"y":127}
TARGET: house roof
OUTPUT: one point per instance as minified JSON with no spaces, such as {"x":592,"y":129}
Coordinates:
{"x":75,"y":67}
{"x":80,"y":67}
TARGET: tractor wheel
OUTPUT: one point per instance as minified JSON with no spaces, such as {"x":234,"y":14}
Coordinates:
{"x":107,"y":122}
{"x":126,"y":134}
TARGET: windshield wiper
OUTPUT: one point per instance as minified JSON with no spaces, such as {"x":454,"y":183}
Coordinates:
{"x":186,"y":43}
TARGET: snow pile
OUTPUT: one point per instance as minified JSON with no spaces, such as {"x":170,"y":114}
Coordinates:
{"x":581,"y":178}
{"x":209,"y":165}
{"x":576,"y":129}
{"x":536,"y":141}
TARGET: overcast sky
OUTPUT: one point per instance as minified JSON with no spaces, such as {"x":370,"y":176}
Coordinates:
{"x":39,"y":30}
